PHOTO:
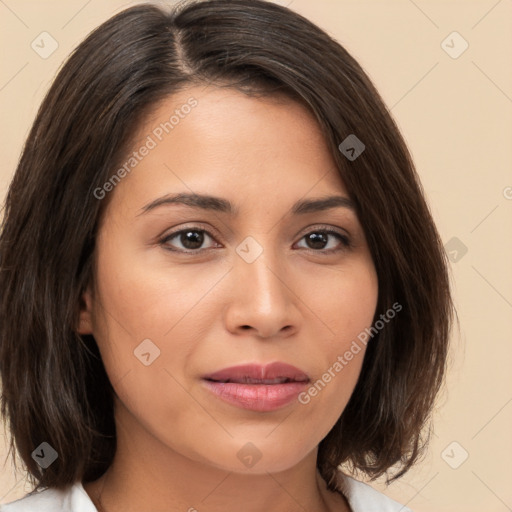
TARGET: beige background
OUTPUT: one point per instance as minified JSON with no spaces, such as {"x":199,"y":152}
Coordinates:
{"x":456,"y":115}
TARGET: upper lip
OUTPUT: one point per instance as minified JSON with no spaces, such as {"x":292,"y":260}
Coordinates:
{"x":258,"y":372}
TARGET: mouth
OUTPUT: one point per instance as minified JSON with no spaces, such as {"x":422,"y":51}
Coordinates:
{"x":270,"y":374}
{"x":256,"y":387}
{"x":248,"y":380}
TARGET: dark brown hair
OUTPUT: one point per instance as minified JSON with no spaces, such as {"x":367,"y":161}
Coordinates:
{"x":54,"y":385}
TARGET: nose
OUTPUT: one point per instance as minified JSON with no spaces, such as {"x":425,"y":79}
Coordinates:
{"x":262,"y":299}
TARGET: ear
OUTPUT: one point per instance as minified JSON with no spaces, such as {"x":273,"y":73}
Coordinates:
{"x":85,"y":318}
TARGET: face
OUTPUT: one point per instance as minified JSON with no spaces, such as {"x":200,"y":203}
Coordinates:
{"x":186,"y":289}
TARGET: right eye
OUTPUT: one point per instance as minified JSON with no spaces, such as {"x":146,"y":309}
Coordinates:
{"x":191,"y":239}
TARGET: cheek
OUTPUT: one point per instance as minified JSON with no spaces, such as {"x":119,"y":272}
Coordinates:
{"x":348,"y":308}
{"x":146,"y":325}
{"x":144,"y":338}
{"x":148,"y":292}
{"x":344,"y":300}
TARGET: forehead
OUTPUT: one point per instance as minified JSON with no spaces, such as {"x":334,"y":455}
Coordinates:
{"x":225,"y":115}
{"x":228,"y":144}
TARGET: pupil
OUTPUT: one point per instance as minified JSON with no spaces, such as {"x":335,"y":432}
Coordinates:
{"x":192,"y":239}
{"x":317,"y":238}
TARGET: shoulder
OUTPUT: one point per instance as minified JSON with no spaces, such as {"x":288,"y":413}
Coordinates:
{"x":71,"y":499}
{"x":364,"y":498}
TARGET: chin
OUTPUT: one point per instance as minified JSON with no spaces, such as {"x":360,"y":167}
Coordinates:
{"x":248,"y":459}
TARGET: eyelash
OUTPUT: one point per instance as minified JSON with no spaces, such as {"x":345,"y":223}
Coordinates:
{"x":345,"y":241}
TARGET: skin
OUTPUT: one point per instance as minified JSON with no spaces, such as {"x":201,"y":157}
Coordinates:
{"x":211,"y":309}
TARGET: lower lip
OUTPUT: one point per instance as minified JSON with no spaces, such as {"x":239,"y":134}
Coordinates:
{"x":257,"y":397}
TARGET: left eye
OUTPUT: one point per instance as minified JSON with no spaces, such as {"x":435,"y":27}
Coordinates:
{"x":321,"y":237}
{"x":192,"y":239}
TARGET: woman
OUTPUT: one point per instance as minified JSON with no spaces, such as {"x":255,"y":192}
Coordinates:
{"x":220,"y":278}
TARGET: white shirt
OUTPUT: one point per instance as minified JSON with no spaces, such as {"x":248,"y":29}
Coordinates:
{"x":360,"y":496}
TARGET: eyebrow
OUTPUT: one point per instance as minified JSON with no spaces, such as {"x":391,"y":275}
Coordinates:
{"x":218,"y":204}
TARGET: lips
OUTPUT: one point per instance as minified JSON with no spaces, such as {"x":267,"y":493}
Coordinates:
{"x":258,"y":388}
{"x":271,"y":374}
